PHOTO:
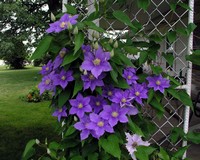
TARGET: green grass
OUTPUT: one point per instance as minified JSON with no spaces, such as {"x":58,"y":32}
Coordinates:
{"x":21,"y":121}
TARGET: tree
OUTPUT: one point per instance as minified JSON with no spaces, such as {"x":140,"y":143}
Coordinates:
{"x":22,"y":23}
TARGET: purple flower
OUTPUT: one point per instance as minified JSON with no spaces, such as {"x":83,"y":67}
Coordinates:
{"x":89,"y":81}
{"x":132,"y":142}
{"x":99,"y":125}
{"x":132,"y":110}
{"x":59,"y":59}
{"x":109,"y":91}
{"x":61,"y":112}
{"x":83,"y":127}
{"x":63,"y":78}
{"x":114,"y":113}
{"x":80,"y":105}
{"x":158,"y":83}
{"x":65,"y":21}
{"x":138,"y":92}
{"x":130,"y":75}
{"x":86,"y":48}
{"x":46,"y":83}
{"x":97,"y":62}
{"x":46,"y":69}
{"x":122,"y":97}
{"x":97,"y":103}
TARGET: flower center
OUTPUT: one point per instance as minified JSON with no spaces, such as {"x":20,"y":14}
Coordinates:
{"x":137,"y":93}
{"x":80,"y":105}
{"x":62,"y":54}
{"x":91,"y":77}
{"x":129,"y":77}
{"x":100,"y":124}
{"x":158,"y":82}
{"x":123,"y":100}
{"x":60,"y":110}
{"x":115,"y":114}
{"x":63,"y":78}
{"x":97,"y":62}
{"x":110,"y":93}
{"x":134,"y":144}
{"x":62,"y":24}
{"x":47,"y":68}
{"x":47,"y":81}
{"x":98,"y":103}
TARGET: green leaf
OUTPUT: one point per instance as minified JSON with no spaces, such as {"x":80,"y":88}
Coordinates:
{"x":54,"y":146}
{"x":181,"y":95}
{"x":134,"y":127}
{"x":179,"y":154}
{"x":169,"y":58}
{"x":98,"y":90}
{"x":77,"y":87}
{"x":144,"y":4}
{"x":63,"y":97}
{"x":78,"y":41}
{"x":70,"y":9}
{"x":93,"y":156}
{"x":143,"y":57}
{"x":143,"y":152}
{"x":92,"y":25}
{"x":122,"y":83}
{"x":122,"y":17}
{"x":171,"y":36}
{"x":191,"y":27}
{"x":70,"y":131}
{"x":150,"y":95}
{"x":124,"y":59}
{"x":29,"y":151}
{"x":156,"y":69}
{"x":111,"y":145}
{"x":175,"y":134}
{"x":131,"y":50}
{"x":42,"y":47}
{"x":114,"y":76}
{"x":158,"y":107}
{"x":77,"y":158}
{"x":70,"y":57}
{"x":173,"y":6}
{"x":184,"y":5}
{"x":194,"y":58}
{"x":193,"y":137}
{"x":163,"y":154}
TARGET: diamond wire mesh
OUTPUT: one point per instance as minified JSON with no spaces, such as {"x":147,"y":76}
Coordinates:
{"x":158,"y":18}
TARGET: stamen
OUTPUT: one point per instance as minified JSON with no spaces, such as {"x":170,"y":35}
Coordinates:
{"x":97,"y":62}
{"x":123,"y":100}
{"x":80,"y":105}
{"x":100,"y":124}
{"x":115,"y":114}
{"x":98,"y":103}
{"x":47,"y":81}
{"x":158,"y":82}
{"x":63,"y":24}
{"x":137,"y":93}
{"x":63,"y":78}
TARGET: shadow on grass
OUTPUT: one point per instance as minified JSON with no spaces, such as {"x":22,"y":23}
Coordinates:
{"x":14,"y":140}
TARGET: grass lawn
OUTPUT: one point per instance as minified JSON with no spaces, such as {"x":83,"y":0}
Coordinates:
{"x":21,"y":121}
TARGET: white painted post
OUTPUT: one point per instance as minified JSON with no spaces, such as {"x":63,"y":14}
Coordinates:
{"x":189,"y":72}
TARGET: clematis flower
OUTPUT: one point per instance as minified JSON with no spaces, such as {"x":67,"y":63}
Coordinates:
{"x":80,"y":105}
{"x":132,"y":142}
{"x":61,"y":112}
{"x":46,"y":83}
{"x":63,"y":78}
{"x":59,"y":59}
{"x":132,"y":110}
{"x":97,"y":103}
{"x":114,"y":113}
{"x":89,"y":81}
{"x":83,"y":127}
{"x":99,"y":125}
{"x":46,"y":69}
{"x":86,"y":48}
{"x":138,"y":92}
{"x":108,"y":91}
{"x":122,"y":97}
{"x":97,"y":62}
{"x":158,"y":83}
{"x":65,"y":21}
{"x":130,"y":75}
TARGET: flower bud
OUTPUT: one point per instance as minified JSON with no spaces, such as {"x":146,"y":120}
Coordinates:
{"x":96,"y":45}
{"x":75,"y":31}
{"x":80,"y":69}
{"x":75,"y":119}
{"x":110,"y":41}
{"x":85,"y":72}
{"x":48,"y":151}
{"x":53,"y":18}
{"x":37,"y":141}
{"x":69,"y":25}
{"x":115,"y":44}
{"x":112,"y":53}
{"x":96,"y":35}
